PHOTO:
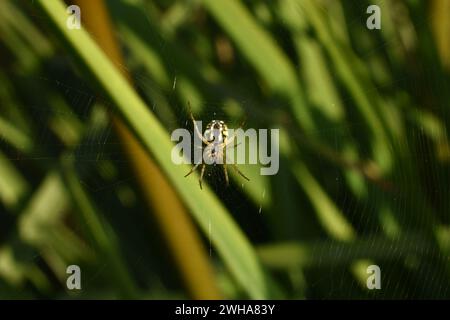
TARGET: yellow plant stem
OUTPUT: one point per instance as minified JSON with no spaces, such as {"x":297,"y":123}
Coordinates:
{"x":439,"y":12}
{"x":175,"y":223}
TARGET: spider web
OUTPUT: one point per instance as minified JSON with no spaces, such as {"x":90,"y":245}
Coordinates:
{"x":103,"y":170}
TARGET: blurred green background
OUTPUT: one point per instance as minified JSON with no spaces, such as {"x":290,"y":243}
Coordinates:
{"x":86,"y":176}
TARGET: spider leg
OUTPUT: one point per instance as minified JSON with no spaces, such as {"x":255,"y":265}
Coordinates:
{"x":233,"y":146}
{"x":231,"y":139}
{"x":238,"y":171}
{"x":197,"y":131}
{"x":224,"y":147}
{"x":225,"y":172}
{"x":202,"y":171}
{"x":192,"y":169}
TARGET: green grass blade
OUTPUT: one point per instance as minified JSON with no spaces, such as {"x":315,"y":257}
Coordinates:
{"x":321,"y":253}
{"x":13,"y":186}
{"x":232,"y":245}
{"x":259,"y":48}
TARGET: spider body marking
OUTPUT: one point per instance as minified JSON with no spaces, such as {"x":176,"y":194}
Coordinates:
{"x":216,"y":134}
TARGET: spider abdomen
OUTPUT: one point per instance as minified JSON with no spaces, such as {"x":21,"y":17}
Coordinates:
{"x":213,"y":153}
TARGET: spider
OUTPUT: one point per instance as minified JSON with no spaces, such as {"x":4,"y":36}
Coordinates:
{"x":216,"y":141}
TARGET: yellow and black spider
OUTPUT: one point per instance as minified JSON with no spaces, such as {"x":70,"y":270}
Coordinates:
{"x":216,"y":142}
